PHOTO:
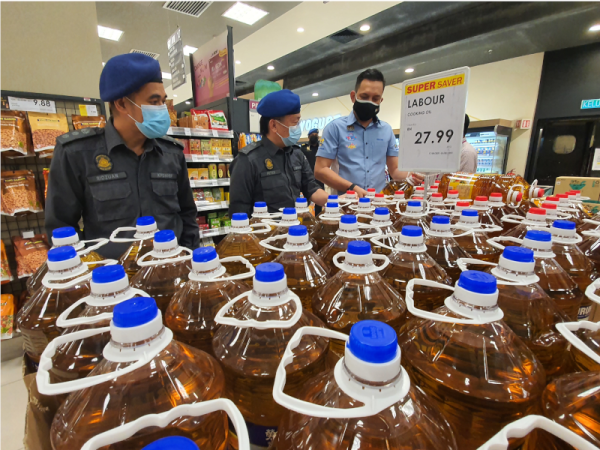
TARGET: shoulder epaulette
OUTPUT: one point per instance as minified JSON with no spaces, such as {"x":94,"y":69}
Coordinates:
{"x":171,"y":140}
{"x":78,"y":134}
{"x":248,"y":148}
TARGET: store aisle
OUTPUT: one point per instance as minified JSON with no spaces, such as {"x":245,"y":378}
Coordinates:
{"x":14,"y":400}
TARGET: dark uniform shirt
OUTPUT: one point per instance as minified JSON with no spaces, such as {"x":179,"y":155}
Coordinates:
{"x":95,"y":176}
{"x":263,"y":172}
{"x":311,"y":154}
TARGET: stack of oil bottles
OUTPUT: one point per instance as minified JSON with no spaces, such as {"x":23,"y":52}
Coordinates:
{"x":456,"y":317}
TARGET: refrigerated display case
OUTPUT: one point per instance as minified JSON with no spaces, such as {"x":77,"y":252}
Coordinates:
{"x":491,"y":142}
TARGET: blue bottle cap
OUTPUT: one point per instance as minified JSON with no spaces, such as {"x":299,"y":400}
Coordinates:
{"x":289,"y":211}
{"x":332,"y":197}
{"x":204,"y":254}
{"x":359,"y":248}
{"x":239,"y":216}
{"x":260,"y":204}
{"x":564,"y":224}
{"x":134,"y":312}
{"x":348,"y":218}
{"x":301,"y":200}
{"x":441,"y":220}
{"x":364,"y":200}
{"x":382,"y":211}
{"x":63,"y":232}
{"x":172,"y":443}
{"x":108,"y":274}
{"x":373,"y":341}
{"x":297,"y":230}
{"x":269,"y":272}
{"x":61,"y":253}
{"x":518,"y":254}
{"x":541,"y":236}
{"x":333,"y":204}
{"x":412,"y":231}
{"x":469,"y":212}
{"x":145,"y":220}
{"x":164,"y":236}
{"x":415,"y":203}
{"x":478,"y":282}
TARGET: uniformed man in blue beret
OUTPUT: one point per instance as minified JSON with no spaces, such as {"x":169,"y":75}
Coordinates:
{"x":274,"y":170}
{"x":111,"y":176}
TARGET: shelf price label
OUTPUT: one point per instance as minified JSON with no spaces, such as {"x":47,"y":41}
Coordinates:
{"x":432,"y":121}
{"x":34,"y":105}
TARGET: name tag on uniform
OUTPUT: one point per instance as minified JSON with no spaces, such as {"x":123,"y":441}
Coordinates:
{"x":107,"y":177}
{"x":270,"y":172}
{"x":297,"y":167}
{"x":164,"y":176}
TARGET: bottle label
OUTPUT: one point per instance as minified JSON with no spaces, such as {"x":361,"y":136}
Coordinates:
{"x":261,"y":437}
{"x":584,"y":312}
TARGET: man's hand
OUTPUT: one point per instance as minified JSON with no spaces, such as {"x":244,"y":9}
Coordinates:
{"x":359,"y":191}
{"x":416,"y":177}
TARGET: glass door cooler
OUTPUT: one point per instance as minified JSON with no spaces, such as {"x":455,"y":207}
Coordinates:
{"x":491,"y":143}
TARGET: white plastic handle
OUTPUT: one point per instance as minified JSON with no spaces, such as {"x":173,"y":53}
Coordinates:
{"x":592,"y":222}
{"x":275,"y":223}
{"x":49,"y":284}
{"x":265,"y":243}
{"x":374,"y":398}
{"x":100,"y":242}
{"x":487,"y":228}
{"x":567,"y":240}
{"x":525,"y":425}
{"x":363,"y":226}
{"x":567,"y":328}
{"x":399,"y":246}
{"x":372,"y":268}
{"x":266,"y":228}
{"x":136,"y":236}
{"x":495,"y":242}
{"x":168,"y":260}
{"x":513,"y":218}
{"x":253,"y":323}
{"x":463,"y":262}
{"x":591,"y":233}
{"x":63,"y":322}
{"x":590,"y":291}
{"x":474,"y":317}
{"x":240,"y":276}
{"x":502,"y":277}
{"x":163,"y":419}
{"x":51,"y":281}
{"x":450,"y":233}
{"x":144,"y":355}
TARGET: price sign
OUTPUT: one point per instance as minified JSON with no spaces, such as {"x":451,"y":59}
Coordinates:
{"x":215,"y":133}
{"x":27,"y":104}
{"x":187,"y":131}
{"x":224,"y":205}
{"x":432,"y":121}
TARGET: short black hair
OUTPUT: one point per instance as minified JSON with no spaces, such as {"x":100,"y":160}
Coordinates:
{"x":371,"y":75}
{"x":467,"y":122}
{"x":264,"y":124}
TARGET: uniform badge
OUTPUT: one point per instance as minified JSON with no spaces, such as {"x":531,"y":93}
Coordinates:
{"x":351,"y":146}
{"x":350,"y":128}
{"x":268,"y":164}
{"x":104,"y":163}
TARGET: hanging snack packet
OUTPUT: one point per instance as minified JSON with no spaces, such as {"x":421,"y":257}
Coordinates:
{"x":45,"y":128}
{"x":19,"y":193}
{"x":81,"y":122}
{"x":14,"y":133}
{"x":5,"y":271}
{"x":7,"y":315}
{"x":30,"y":254}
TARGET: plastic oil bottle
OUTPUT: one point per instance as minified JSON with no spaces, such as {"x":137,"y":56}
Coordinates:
{"x":349,"y":230}
{"x":304,"y":215}
{"x":260,"y":212}
{"x":255,"y":329}
{"x":306,"y":272}
{"x":456,"y":213}
{"x":66,"y":282}
{"x":410,"y":260}
{"x":551,"y":212}
{"x":482,"y":206}
{"x":242,"y":241}
{"x":191,"y":313}
{"x":357,"y":293}
{"x":327,"y":224}
{"x":371,"y":193}
{"x":475,"y":243}
{"x":163,"y":270}
{"x":535,"y":219}
{"x":443,"y":248}
{"x":470,"y":363}
{"x":382,"y":221}
{"x":363,"y":210}
{"x":141,"y":243}
{"x":144,"y":371}
{"x":289,"y":219}
{"x":584,"y":337}
{"x":400,"y":201}
{"x":436,"y":202}
{"x":590,"y":246}
{"x":499,"y":209}
{"x":414,"y":215}
{"x":366,"y":402}
{"x":61,"y":237}
{"x":462,"y":182}
{"x":330,"y":199}
{"x":572,"y":259}
{"x":347,"y":200}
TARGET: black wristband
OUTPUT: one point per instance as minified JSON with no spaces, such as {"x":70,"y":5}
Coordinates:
{"x":351,"y":187}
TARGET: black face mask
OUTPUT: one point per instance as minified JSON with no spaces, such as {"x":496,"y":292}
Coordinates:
{"x":365,"y":110}
{"x":314,"y":140}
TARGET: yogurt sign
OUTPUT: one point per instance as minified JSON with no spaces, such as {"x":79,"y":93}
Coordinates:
{"x":318,"y":122}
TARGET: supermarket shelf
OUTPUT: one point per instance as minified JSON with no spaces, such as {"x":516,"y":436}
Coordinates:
{"x":208,"y":158}
{"x":186,"y":133}
{"x":221,"y":231}
{"x":209,"y":183}
{"x":211,"y":206}
{"x":485,"y":157}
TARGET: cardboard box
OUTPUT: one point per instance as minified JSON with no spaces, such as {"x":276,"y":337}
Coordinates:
{"x":589,"y":187}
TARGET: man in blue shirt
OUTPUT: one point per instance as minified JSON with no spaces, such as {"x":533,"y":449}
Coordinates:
{"x":362,"y":144}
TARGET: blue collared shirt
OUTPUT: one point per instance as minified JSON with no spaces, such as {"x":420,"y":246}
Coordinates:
{"x":360,"y":152}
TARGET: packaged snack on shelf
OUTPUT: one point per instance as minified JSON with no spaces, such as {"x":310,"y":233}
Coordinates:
{"x":45,"y":128}
{"x":212,"y":171}
{"x":195,"y":147}
{"x":227,"y":196}
{"x":218,"y":121}
{"x":172,"y":112}
{"x":30,"y":254}
{"x":205,"y":147}
{"x":208,"y":195}
{"x":203,"y":173}
{"x":242,"y":141}
{"x":214,"y":146}
{"x":228,"y":170}
{"x":200,"y":119}
{"x":226,"y":147}
{"x":225,"y":221}
{"x":193,"y":173}
{"x":80,"y":122}
{"x":19,"y":193}
{"x":217,"y":194}
{"x":222,"y":170}
{"x":198,"y":195}
{"x":201,"y":220}
{"x":215,"y":222}
{"x":5,"y":270}
{"x":208,"y":242}
{"x":7,"y":313}
{"x":46,"y":172}
{"x":14,"y":133}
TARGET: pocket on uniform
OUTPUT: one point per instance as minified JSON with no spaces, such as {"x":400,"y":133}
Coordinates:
{"x":110,"y":200}
{"x":274,"y":189}
{"x":298,"y":176}
{"x":165,"y":196}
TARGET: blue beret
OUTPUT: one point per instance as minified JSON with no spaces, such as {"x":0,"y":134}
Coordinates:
{"x":279,"y":104}
{"x":314,"y":130}
{"x":125,"y":74}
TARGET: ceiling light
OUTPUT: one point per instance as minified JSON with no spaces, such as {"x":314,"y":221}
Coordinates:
{"x":245,"y":13}
{"x":103,"y":64}
{"x":109,"y":33}
{"x":270,"y":67}
{"x":188,"y":50}
{"x":300,"y":30}
{"x":595,"y":27}
{"x":238,"y":62}
{"x":315,"y":94}
{"x":166,"y":75}
{"x":174,"y":95}
{"x":188,"y":103}
{"x":409,"y":70}
{"x":365,"y":27}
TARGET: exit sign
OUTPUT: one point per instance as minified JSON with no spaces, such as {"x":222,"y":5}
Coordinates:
{"x":523,"y":124}
{"x":590,"y":104}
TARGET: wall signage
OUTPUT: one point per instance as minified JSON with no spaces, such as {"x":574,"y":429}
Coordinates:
{"x":317,"y":122}
{"x":590,"y":104}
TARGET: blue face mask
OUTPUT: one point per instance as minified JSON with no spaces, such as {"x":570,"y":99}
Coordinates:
{"x":156,"y":120}
{"x":292,"y":139}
